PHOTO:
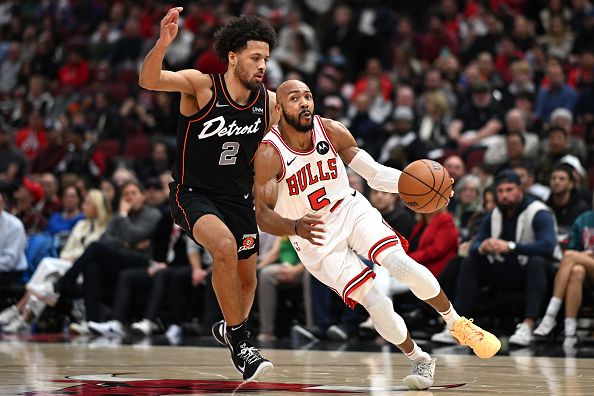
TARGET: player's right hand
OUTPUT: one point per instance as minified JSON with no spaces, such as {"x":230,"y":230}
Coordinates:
{"x":310,"y":227}
{"x":169,"y":26}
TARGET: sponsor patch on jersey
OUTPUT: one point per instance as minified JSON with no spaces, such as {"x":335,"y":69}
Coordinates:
{"x":257,"y":110}
{"x":322,"y":147}
{"x":249,"y":241}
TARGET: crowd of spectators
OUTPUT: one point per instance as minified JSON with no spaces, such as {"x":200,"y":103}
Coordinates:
{"x":480,"y":86}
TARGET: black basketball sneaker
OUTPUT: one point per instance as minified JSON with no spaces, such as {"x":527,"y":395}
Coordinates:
{"x":248,"y":361}
{"x":218,"y":332}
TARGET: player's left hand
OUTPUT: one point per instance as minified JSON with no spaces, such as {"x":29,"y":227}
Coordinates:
{"x":310,"y":227}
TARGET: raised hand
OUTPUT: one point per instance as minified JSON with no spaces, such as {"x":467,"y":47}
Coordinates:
{"x":310,"y":227}
{"x":169,"y":26}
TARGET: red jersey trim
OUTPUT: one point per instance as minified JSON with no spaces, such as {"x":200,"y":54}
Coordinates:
{"x":214,"y":92}
{"x":231,"y":101}
{"x":326,"y":135}
{"x":313,"y":141}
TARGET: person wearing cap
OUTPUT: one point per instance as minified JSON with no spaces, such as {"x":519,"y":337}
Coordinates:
{"x":514,"y":249}
{"x":26,"y":197}
{"x":477,"y":119}
{"x":557,"y":94}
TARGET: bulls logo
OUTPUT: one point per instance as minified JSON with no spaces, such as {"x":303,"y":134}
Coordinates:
{"x":322,"y":147}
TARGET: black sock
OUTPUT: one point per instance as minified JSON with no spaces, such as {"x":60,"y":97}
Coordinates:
{"x":237,"y":333}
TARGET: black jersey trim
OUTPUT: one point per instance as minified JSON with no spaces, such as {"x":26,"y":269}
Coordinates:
{"x":214,"y":99}
{"x":313,"y":141}
{"x":278,"y":179}
{"x":231,"y":101}
{"x":325,"y":133}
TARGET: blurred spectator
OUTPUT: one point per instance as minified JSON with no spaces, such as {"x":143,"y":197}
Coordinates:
{"x":513,"y":250}
{"x":559,"y":39}
{"x":128,"y":47}
{"x":557,"y":94}
{"x":296,"y":49}
{"x":65,"y":220}
{"x":555,"y":147}
{"x":81,"y":158}
{"x":104,"y":120}
{"x":455,"y":167}
{"x":12,"y":162}
{"x":12,"y":247}
{"x":75,"y":72}
{"x":31,"y":139}
{"x":374,"y":71}
{"x":126,"y":243}
{"x":339,"y":39}
{"x":436,"y":40}
{"x":436,"y":117}
{"x":585,"y":34}
{"x":49,"y":157}
{"x":179,"y":51}
{"x":468,"y":192}
{"x":575,"y":269}
{"x":477,"y":119}
{"x":433,"y":84}
{"x":404,"y":145}
{"x":532,"y":188}
{"x":280,"y":269}
{"x":26,"y":199}
{"x":97,"y":213}
{"x":158,"y":163}
{"x":102,"y":41}
{"x":521,"y":82}
{"x":515,"y":124}
{"x":554,"y":9}
{"x":51,"y":200}
{"x":393,"y":211}
{"x":565,"y":202}
{"x":10,"y":68}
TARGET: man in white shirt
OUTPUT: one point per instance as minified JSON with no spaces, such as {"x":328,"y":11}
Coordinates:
{"x":13,"y":241}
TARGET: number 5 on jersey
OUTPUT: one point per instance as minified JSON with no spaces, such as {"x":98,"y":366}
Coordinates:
{"x":317,"y":199}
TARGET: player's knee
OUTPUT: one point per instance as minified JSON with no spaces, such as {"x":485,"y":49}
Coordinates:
{"x":416,"y":276}
{"x":224,"y":251}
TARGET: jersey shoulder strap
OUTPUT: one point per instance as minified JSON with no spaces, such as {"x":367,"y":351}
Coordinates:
{"x":274,"y":140}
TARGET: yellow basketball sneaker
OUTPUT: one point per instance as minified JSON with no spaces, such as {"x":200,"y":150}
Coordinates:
{"x":483,"y":343}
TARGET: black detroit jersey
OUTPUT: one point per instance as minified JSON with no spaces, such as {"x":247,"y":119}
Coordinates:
{"x":216,"y":146}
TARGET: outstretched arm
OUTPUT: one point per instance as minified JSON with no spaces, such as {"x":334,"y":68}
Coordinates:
{"x":153,"y":78}
{"x":267,"y":166}
{"x":378,"y":176}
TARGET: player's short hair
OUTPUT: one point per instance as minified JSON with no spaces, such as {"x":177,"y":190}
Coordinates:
{"x":234,"y":36}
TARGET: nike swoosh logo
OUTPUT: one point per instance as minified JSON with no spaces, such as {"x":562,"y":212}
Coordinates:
{"x":290,"y":162}
{"x":221,"y":105}
{"x":242,"y":369}
{"x":354,"y":193}
{"x":246,"y":196}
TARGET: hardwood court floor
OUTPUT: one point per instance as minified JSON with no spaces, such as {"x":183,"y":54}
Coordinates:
{"x":70,"y":368}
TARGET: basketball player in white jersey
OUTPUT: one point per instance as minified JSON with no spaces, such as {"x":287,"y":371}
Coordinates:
{"x":301,"y":190}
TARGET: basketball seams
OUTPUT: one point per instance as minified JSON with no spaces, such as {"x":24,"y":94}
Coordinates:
{"x":422,"y":182}
{"x":417,"y":183}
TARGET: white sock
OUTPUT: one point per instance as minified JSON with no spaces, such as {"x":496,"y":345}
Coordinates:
{"x":570,"y":327}
{"x":553,"y":307}
{"x":450,"y":316}
{"x":418,"y":354}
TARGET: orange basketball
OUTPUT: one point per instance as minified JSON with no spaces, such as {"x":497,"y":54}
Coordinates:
{"x":425,"y":186}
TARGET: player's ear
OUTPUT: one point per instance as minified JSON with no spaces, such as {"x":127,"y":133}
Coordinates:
{"x":232,"y":58}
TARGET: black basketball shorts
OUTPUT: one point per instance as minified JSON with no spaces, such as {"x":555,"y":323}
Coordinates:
{"x":188,"y":205}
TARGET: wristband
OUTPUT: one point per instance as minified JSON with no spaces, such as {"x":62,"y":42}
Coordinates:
{"x":296,"y":221}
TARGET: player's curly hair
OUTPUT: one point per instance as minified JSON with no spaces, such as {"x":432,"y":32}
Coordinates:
{"x":235,"y":35}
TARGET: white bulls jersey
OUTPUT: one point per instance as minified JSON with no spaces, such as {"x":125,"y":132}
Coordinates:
{"x":310,"y":180}
{"x":317,"y":181}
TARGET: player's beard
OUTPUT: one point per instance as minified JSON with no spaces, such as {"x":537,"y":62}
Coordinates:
{"x":244,"y":78}
{"x":295,"y":122}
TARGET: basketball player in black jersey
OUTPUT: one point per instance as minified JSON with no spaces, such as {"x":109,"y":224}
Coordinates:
{"x":221,"y":123}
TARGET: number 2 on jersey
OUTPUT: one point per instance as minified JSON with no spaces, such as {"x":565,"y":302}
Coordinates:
{"x":229,"y":154}
{"x":317,"y":199}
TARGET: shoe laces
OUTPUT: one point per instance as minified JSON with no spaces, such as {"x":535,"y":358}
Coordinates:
{"x":424,"y":369}
{"x":470,"y":332}
{"x":249,"y":354}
